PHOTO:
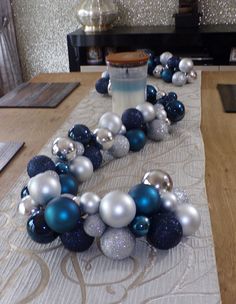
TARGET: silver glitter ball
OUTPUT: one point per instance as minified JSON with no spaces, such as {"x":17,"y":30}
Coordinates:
{"x":117,"y":209}
{"x":89,"y":203}
{"x":189,"y":218}
{"x":179,"y":79}
{"x":160,"y":94}
{"x":157,"y":130}
{"x":79,"y":148}
{"x":26,"y":206}
{"x":120,"y":147}
{"x":94,"y":226}
{"x":109,"y":89}
{"x":181,"y":195}
{"x":186,"y":65}
{"x":147,"y":109}
{"x":159,"y":179}
{"x":165,"y":57}
{"x":161,"y":114}
{"x":168,"y":201}
{"x":105,"y":138}
{"x":117,"y":244}
{"x":110,"y":121}
{"x":157,"y":71}
{"x":122,"y":130}
{"x":82,"y":168}
{"x":192,"y":76}
{"x":64,"y":148}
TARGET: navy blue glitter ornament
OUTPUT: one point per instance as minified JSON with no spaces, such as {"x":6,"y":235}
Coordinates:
{"x":173,"y":62}
{"x":132,"y":119}
{"x":165,"y":231}
{"x":147,"y":199}
{"x":137,"y":139}
{"x":40,"y":164}
{"x":166,"y":75}
{"x":102,"y":85}
{"x":151,"y":66}
{"x":62,"y":168}
{"x":151,"y":94}
{"x":175,"y":111}
{"x":94,"y":154}
{"x":69,"y":184}
{"x":77,"y":240}
{"x":24,"y":192}
{"x":38,"y":229}
{"x":140,"y":226}
{"x":80,"y":133}
{"x":172,"y":96}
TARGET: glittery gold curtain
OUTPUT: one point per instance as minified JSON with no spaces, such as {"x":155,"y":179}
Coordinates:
{"x":10,"y":71}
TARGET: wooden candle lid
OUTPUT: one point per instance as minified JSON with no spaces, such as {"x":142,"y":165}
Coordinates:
{"x":127,"y":59}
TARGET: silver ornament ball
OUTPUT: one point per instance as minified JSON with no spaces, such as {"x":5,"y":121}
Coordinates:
{"x":165,"y":57}
{"x":122,"y":130}
{"x":94,"y":226}
{"x":79,"y":149}
{"x":168,"y":201}
{"x":158,"y":107}
{"x":157,"y":130}
{"x":179,"y":79}
{"x":105,"y":138}
{"x":192,"y":76}
{"x":161,"y":114}
{"x":181,"y":195}
{"x":109,"y":89}
{"x":120,"y":146}
{"x":160,"y":94}
{"x":147,"y":109}
{"x":159,"y":179}
{"x":186,"y":65}
{"x":89,"y":203}
{"x":26,"y":206}
{"x":189,"y":218}
{"x":64,"y":148}
{"x":82,"y":168}
{"x":157,"y":71}
{"x":110,"y":121}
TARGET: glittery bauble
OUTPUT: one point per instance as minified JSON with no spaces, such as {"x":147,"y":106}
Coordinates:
{"x":117,"y":209}
{"x":105,"y":75}
{"x":64,"y":148}
{"x":77,"y":240}
{"x":147,"y":109}
{"x":159,"y":179}
{"x":82,"y":168}
{"x":94,"y":154}
{"x":165,"y":57}
{"x":157,"y":130}
{"x":109,"y":89}
{"x":175,"y":111}
{"x":110,"y":121}
{"x":166,"y":75}
{"x":26,"y":205}
{"x":40,"y":164}
{"x":168,"y":201}
{"x":151,"y":94}
{"x":89,"y":203}
{"x":181,"y":195}
{"x":38,"y":229}
{"x":157,"y":71}
{"x":120,"y":147}
{"x":105,"y":138}
{"x":186,"y":65}
{"x":173,"y":62}
{"x":24,"y":192}
{"x":192,"y":76}
{"x":80,"y":133}
{"x":179,"y":79}
{"x":161,"y":114}
{"x":62,"y":167}
{"x":94,"y":226}
{"x":44,"y":187}
{"x":146,"y":198}
{"x":165,"y":231}
{"x":69,"y":184}
{"x":132,"y":119}
{"x":102,"y":85}
{"x":189,"y":218}
{"x":140,"y":226}
{"x":62,"y":214}
{"x":117,"y":244}
{"x":137,"y":139}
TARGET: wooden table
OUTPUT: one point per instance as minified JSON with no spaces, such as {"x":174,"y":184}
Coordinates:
{"x":36,"y":126}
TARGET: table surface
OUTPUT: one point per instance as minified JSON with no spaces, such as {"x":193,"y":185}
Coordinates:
{"x":36,"y":126}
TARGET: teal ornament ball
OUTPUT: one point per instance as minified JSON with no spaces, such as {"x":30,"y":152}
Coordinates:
{"x":140,"y":226}
{"x":69,"y":184}
{"x":166,"y":75}
{"x":137,"y":139}
{"x":147,"y":199}
{"x":62,"y":214}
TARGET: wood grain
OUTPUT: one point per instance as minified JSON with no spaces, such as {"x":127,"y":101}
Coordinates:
{"x":7,"y":152}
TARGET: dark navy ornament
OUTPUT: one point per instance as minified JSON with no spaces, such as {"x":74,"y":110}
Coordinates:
{"x":102,"y":85}
{"x":172,"y":96}
{"x":137,"y":139}
{"x":132,"y":119}
{"x":151,"y":94}
{"x":140,"y":226}
{"x":40,"y":164}
{"x":69,"y":184}
{"x":80,"y":133}
{"x":175,"y":111}
{"x":173,"y":62}
{"x":94,"y":154}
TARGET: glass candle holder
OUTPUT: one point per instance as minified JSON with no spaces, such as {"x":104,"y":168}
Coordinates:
{"x":128,"y":74}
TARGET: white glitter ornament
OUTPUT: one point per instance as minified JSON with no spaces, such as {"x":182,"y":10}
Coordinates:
{"x":120,"y":147}
{"x":157,"y":130}
{"x":181,"y":195}
{"x":94,"y":226}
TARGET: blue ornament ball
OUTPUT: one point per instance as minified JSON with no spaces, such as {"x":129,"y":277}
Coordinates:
{"x":140,"y":226}
{"x":95,"y":155}
{"x":157,"y":60}
{"x":166,"y":75}
{"x":172,"y":96}
{"x":102,"y":85}
{"x":151,"y":94}
{"x":62,"y":214}
{"x":173,"y":62}
{"x":132,"y":119}
{"x":24,"y":192}
{"x":165,"y":231}
{"x":175,"y":111}
{"x":40,"y":164}
{"x":147,"y":199}
{"x":163,"y":100}
{"x":93,"y":143}
{"x":77,"y":240}
{"x":38,"y":229}
{"x":105,"y":75}
{"x":151,"y":66}
{"x":80,"y":133}
{"x":137,"y":139}
{"x":62,"y":168}
{"x":69,"y":184}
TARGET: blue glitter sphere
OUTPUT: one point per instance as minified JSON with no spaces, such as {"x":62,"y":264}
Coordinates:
{"x":132,"y":119}
{"x":166,"y":75}
{"x":173,"y":62}
{"x":151,"y":94}
{"x":102,"y":85}
{"x":172,"y":96}
{"x":140,"y":226}
{"x":147,"y":199}
{"x":77,"y":240}
{"x":62,"y":168}
{"x":62,"y":214}
{"x":24,"y":192}
{"x":38,"y":229}
{"x":69,"y":184}
{"x":94,"y":154}
{"x":137,"y":139}
{"x":80,"y":133}
{"x":175,"y":110}
{"x":165,"y":231}
{"x":40,"y":164}
{"x":151,"y":66}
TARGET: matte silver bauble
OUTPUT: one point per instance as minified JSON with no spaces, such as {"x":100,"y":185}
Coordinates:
{"x":89,"y":203}
{"x":159,"y":179}
{"x":157,"y":71}
{"x":179,"y":79}
{"x":26,"y":205}
{"x":165,"y":57}
{"x":117,"y":244}
{"x":110,"y":121}
{"x":147,"y":109}
{"x":186,"y":65}
{"x":123,"y":130}
{"x":64,"y":148}
{"x":105,"y":138}
{"x":161,"y":114}
{"x":157,"y":130}
{"x":168,"y":201}
{"x":120,"y":147}
{"x":79,"y":149}
{"x":82,"y":168}
{"x":189,"y":218}
{"x":109,"y":89}
{"x":117,"y":209}
{"x":94,"y":226}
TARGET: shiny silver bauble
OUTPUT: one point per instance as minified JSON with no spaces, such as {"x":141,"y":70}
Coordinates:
{"x":82,"y":168}
{"x":110,"y":121}
{"x":26,"y":206}
{"x":189,"y":218}
{"x":168,"y":201}
{"x":192,"y":76}
{"x":161,"y":114}
{"x":89,"y":203}
{"x":160,"y":94}
{"x":79,"y":148}
{"x":64,"y":148}
{"x":147,"y":109}
{"x":165,"y":57}
{"x":186,"y":65}
{"x":159,"y":179}
{"x":157,"y":71}
{"x":179,"y":79}
{"x":105,"y":138}
{"x":123,"y":130}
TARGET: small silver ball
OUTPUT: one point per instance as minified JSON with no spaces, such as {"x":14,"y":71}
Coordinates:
{"x":181,"y":195}
{"x":159,"y":179}
{"x":94,"y":226}
{"x":157,"y":71}
{"x":157,"y":130}
{"x":168,"y":122}
{"x":122,"y":130}
{"x":120,"y":147}
{"x":179,"y":79}
{"x":64,"y":148}
{"x":89,"y":203}
{"x":109,"y":89}
{"x":26,"y":205}
{"x":77,"y":200}
{"x":165,"y":57}
{"x":105,"y":74}
{"x":158,"y":107}
{"x":168,"y":201}
{"x":160,"y":94}
{"x":117,"y":244}
{"x":110,"y":121}
{"x":82,"y":168}
{"x":186,"y":65}
{"x":189,"y":218}
{"x":192,"y":76}
{"x":147,"y":109}
{"x":161,"y":114}
{"x":105,"y":138}
{"x":79,"y":149}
